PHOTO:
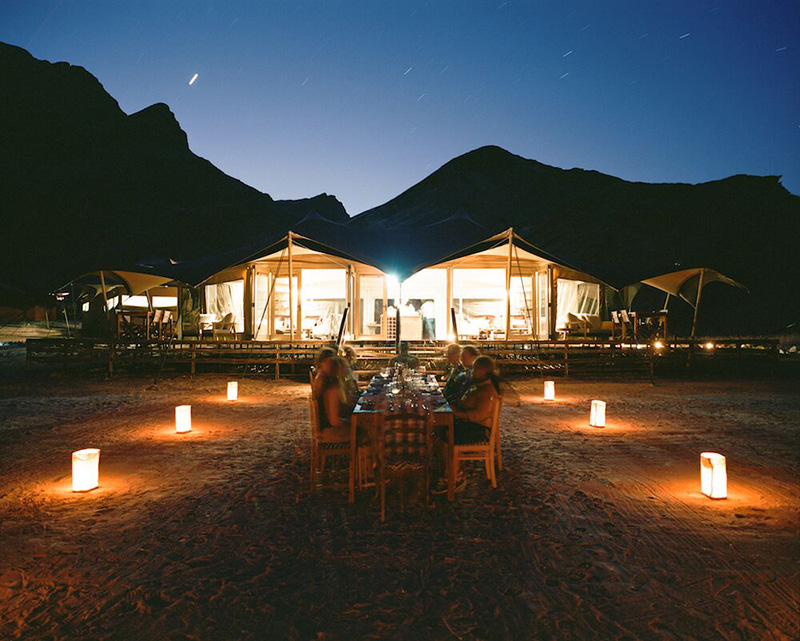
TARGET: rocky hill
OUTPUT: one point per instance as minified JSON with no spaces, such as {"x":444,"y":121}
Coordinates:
{"x":745,"y":226}
{"x":82,"y":184}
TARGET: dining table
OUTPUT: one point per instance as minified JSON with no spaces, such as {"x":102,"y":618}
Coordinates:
{"x":371,"y":402}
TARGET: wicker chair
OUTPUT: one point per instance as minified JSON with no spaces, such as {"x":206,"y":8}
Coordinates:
{"x":404,"y":451}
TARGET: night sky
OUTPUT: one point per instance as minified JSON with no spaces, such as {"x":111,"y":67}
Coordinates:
{"x":364,"y":99}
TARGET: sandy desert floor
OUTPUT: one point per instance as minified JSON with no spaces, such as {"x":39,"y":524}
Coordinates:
{"x":591,"y":534}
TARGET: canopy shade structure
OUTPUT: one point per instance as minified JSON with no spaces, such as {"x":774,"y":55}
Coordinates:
{"x":132,"y":283}
{"x":686,"y":283}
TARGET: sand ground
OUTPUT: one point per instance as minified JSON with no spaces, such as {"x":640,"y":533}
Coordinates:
{"x":591,"y":534}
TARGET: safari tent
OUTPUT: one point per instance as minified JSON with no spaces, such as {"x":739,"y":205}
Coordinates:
{"x":499,"y":287}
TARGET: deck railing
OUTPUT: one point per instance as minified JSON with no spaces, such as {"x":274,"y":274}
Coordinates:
{"x":293,"y":359}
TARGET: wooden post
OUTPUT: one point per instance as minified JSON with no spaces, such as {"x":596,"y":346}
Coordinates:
{"x":508,"y":282}
{"x":291,"y":298}
{"x":277,"y":360}
{"x":454,"y":322}
{"x":552,"y":302}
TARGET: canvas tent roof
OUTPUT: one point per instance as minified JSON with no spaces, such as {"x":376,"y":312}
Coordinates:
{"x":399,"y":252}
{"x":530,"y":251}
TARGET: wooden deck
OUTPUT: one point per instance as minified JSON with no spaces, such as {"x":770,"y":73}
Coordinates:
{"x":563,"y":358}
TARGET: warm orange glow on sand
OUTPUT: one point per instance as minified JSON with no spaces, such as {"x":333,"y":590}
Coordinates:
{"x":539,"y":400}
{"x":616,"y":426}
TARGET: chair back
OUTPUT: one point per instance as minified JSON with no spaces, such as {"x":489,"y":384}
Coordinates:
{"x":615,"y":317}
{"x":498,"y":405}
{"x":157,"y":316}
{"x":405,"y":439}
{"x":624,"y":315}
{"x":167,"y":316}
{"x":313,"y":417}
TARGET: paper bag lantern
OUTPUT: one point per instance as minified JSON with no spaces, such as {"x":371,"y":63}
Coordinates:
{"x":85,"y":469}
{"x":183,"y":419}
{"x":597,"y":418}
{"x":549,"y":390}
{"x":233,"y":390}
{"x":713,"y":475}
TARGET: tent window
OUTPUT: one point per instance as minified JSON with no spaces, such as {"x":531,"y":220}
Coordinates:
{"x":370,"y":289}
{"x":576,"y":297}
{"x":424,"y":313}
{"x":227,"y":298}
{"x":323,"y":299}
{"x":479,"y":297}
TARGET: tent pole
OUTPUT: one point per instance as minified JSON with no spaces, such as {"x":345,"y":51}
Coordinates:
{"x":291,"y":282}
{"x":508,"y":282}
{"x":105,"y":292}
{"x":697,"y":302}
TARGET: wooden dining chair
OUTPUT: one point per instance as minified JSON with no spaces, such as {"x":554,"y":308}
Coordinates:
{"x":404,"y":451}
{"x":481,"y":449}
{"x":324,"y":444}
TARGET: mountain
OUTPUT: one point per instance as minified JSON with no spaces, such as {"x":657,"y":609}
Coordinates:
{"x":745,"y":226}
{"x":83,"y":184}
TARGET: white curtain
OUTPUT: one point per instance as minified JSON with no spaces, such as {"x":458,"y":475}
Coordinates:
{"x":227,"y":298}
{"x":576,"y":297}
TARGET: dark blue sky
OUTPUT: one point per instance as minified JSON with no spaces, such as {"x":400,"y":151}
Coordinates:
{"x":364,"y":99}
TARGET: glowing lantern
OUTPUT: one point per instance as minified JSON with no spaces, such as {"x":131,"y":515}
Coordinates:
{"x":597,"y":418}
{"x":549,"y":390}
{"x":233,"y":390}
{"x":709,"y":345}
{"x":658,"y":345}
{"x":183,"y":419}
{"x":85,"y":469}
{"x":713,"y":475}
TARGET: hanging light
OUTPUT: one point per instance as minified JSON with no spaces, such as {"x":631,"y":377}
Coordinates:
{"x":183,"y":419}
{"x":713,"y":475}
{"x":597,"y":417}
{"x":549,"y":390}
{"x":233,"y":390}
{"x":658,"y":345}
{"x":709,"y":345}
{"x":85,"y":469}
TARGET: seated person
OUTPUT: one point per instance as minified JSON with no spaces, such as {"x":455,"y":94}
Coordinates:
{"x":324,"y":354}
{"x":452,"y":354}
{"x":350,"y":381}
{"x":458,"y":383}
{"x":473,"y":413}
{"x":329,"y":393}
{"x":404,"y":358}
